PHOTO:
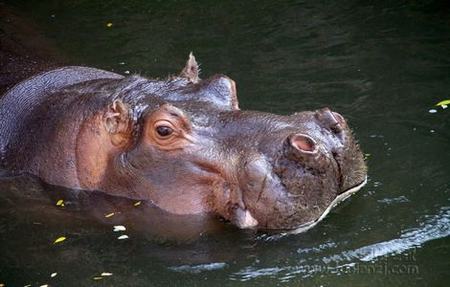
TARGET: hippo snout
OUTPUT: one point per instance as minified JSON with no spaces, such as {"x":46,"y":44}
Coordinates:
{"x":314,"y":163}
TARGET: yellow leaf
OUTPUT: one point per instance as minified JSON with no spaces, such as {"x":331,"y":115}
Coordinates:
{"x":109,"y":214}
{"x":59,"y":239}
{"x":60,"y":202}
{"x":137,"y":203}
{"x":443,"y":103}
{"x":109,"y":24}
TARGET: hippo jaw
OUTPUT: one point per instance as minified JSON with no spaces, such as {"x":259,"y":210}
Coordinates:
{"x":340,"y":198}
{"x":276,"y":207}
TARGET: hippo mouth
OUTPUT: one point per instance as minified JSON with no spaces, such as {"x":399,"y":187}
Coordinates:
{"x":340,"y":198}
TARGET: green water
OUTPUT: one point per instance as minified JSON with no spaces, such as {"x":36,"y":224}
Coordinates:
{"x":382,"y":64}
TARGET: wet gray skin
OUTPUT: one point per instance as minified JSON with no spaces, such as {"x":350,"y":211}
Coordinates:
{"x":257,"y":170}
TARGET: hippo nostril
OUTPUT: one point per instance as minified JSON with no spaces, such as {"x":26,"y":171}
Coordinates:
{"x":331,"y":120}
{"x":303,"y":143}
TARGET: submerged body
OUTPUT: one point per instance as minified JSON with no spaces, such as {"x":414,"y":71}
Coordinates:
{"x":182,"y":144}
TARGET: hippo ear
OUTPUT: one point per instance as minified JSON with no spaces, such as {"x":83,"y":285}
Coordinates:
{"x":117,"y":123}
{"x":218,"y":90}
{"x":191,"y":70}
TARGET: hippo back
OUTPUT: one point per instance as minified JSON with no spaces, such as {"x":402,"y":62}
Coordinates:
{"x":20,"y":100}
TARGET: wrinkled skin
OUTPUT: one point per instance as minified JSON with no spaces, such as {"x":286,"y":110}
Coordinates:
{"x":182,"y":144}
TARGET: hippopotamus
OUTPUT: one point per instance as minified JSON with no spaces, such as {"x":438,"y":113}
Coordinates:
{"x":181,"y":143}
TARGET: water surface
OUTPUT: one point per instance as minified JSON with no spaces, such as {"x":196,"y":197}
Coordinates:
{"x":383,"y":65}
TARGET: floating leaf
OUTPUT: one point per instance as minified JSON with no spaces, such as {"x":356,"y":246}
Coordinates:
{"x":122,"y":237}
{"x":53,"y":274}
{"x":97,"y":278}
{"x":110,"y":214}
{"x":443,"y":103}
{"x":59,"y":239}
{"x":109,"y":24}
{"x":119,"y":228}
{"x":60,"y":202}
{"x":137,"y":203}
{"x":104,"y":274}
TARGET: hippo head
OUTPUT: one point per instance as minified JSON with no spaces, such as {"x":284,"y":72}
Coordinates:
{"x":184,"y":145}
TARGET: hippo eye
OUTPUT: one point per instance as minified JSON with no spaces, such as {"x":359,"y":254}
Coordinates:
{"x":164,"y":131}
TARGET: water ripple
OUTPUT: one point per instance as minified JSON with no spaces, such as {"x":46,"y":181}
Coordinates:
{"x":199,"y":268}
{"x":431,"y":228}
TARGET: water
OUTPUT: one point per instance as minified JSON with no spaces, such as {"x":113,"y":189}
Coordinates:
{"x":383,"y":65}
